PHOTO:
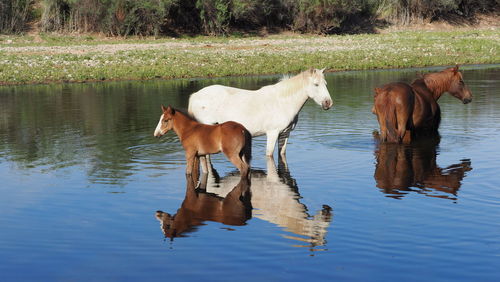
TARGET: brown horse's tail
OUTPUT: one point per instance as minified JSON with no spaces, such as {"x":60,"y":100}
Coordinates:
{"x":390,"y":121}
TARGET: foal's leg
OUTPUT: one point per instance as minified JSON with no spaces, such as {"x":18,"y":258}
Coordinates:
{"x":235,"y":158}
{"x":190,"y":156}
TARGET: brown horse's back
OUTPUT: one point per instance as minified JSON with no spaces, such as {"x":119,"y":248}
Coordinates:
{"x":426,"y":114}
{"x":393,"y":106}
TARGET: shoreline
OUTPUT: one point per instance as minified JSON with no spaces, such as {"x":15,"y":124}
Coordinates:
{"x":67,"y":59}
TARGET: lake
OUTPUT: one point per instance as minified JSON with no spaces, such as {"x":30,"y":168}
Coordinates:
{"x":83,"y":178}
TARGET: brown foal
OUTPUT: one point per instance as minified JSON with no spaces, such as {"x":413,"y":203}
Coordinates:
{"x":199,"y":140}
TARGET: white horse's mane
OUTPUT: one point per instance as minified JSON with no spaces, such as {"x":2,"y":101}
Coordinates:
{"x":289,"y":85}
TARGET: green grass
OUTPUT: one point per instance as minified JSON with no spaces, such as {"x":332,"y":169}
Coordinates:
{"x":24,"y":60}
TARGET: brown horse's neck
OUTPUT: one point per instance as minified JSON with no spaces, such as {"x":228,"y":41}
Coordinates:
{"x":182,"y":123}
{"x":438,"y":83}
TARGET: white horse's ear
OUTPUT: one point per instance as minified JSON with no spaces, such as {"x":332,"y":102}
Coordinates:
{"x":322,"y":70}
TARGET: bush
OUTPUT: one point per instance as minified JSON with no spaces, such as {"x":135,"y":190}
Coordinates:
{"x":113,"y":17}
{"x":323,"y":15}
{"x":14,"y":15}
{"x":216,"y":17}
{"x":410,"y":11}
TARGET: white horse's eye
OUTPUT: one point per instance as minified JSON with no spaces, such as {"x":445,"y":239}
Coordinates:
{"x":316,"y":84}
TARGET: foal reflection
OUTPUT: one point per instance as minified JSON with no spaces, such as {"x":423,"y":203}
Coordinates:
{"x":404,"y":168}
{"x":199,"y":206}
{"x":275,"y":198}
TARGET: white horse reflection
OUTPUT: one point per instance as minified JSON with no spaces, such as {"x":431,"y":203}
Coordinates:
{"x":275,"y":198}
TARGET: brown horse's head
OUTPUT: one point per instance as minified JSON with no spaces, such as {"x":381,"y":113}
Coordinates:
{"x":458,"y":88}
{"x":166,"y":123}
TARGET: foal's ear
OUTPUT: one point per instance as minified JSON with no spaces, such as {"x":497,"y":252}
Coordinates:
{"x":170,"y":110}
{"x":163,"y":108}
{"x":377,"y":91}
{"x":455,"y":69}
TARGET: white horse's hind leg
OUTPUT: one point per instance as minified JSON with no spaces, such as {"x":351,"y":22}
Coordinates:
{"x":284,"y":135}
{"x":272,"y":136}
{"x":204,"y":166}
{"x":282,"y":141}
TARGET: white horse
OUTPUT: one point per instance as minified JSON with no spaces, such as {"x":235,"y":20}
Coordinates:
{"x":272,"y":110}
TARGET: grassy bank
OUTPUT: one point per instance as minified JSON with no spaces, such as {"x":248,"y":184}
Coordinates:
{"x":50,"y":58}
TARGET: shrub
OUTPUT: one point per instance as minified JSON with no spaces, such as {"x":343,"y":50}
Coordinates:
{"x":323,"y":15}
{"x":14,"y":15}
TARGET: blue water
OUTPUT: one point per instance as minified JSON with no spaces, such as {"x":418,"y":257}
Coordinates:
{"x":82,"y":178}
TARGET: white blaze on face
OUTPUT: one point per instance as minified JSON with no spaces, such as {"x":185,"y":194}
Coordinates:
{"x":158,"y":132}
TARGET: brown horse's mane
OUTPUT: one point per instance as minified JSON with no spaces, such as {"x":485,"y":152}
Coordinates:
{"x":436,"y":82}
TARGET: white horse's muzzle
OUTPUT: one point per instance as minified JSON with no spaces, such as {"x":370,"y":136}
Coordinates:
{"x":327,"y":104}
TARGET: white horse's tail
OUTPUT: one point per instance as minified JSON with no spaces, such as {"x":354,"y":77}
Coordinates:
{"x":190,"y":106}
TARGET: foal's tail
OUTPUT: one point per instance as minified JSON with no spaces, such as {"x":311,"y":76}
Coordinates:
{"x":246,"y":153}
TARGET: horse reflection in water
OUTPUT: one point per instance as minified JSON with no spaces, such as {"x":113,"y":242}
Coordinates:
{"x":275,"y":198}
{"x":401,"y":169}
{"x":199,"y":206}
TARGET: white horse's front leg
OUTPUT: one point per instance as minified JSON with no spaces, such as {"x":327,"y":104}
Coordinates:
{"x":272,"y":136}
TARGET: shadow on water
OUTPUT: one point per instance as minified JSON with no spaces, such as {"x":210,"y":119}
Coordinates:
{"x":272,"y":196}
{"x":401,"y":169}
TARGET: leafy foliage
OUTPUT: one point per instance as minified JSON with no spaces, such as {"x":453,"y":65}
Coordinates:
{"x":219,"y":17}
{"x":14,"y":14}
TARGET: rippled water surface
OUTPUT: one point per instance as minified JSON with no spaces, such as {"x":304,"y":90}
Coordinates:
{"x":83,"y":178}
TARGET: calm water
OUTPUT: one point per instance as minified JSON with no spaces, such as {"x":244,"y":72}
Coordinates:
{"x":82,"y":178}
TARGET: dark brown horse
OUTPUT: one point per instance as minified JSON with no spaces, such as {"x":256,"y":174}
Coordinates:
{"x":401,"y":169}
{"x":200,"y":140}
{"x":199,"y":206}
{"x":424,"y":93}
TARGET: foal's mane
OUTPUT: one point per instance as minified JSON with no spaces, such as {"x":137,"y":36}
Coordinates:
{"x":185,"y":113}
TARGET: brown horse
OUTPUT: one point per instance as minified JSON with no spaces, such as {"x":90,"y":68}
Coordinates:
{"x":423,"y":93}
{"x":393,"y":106}
{"x":199,"y":206}
{"x":200,"y":140}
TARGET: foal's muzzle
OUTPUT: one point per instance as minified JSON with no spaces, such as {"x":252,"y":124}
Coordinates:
{"x":466,"y":101}
{"x":327,"y":104}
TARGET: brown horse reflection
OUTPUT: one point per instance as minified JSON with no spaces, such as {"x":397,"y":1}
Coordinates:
{"x":408,"y":111}
{"x":276,"y":199}
{"x":401,"y":169}
{"x":199,"y":206}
